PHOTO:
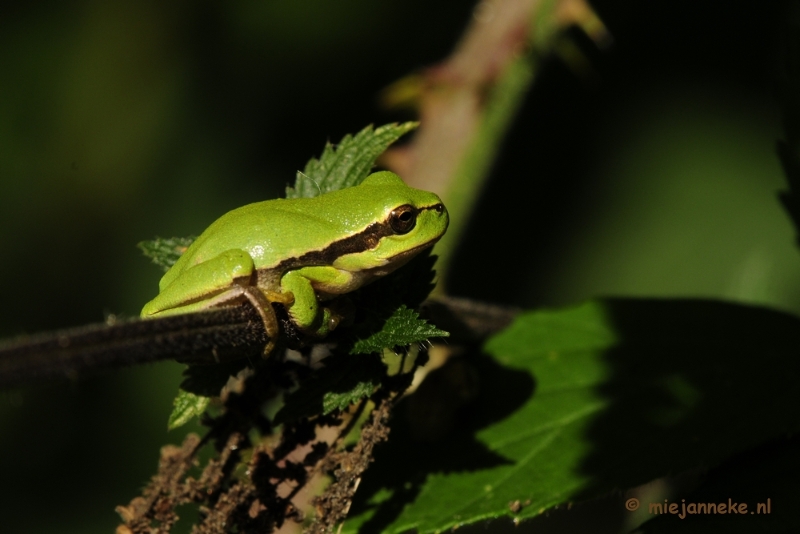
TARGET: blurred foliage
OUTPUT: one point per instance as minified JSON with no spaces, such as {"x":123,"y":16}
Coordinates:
{"x":651,"y":172}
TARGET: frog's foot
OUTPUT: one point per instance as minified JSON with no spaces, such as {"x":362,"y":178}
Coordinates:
{"x":342,"y":311}
{"x":330,"y":320}
{"x":336,"y":312}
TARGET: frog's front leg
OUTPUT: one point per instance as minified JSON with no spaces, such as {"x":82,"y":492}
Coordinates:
{"x":306,"y":311}
{"x":215,"y":282}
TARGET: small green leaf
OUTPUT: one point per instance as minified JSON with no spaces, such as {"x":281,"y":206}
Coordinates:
{"x":403,"y":327}
{"x":185,"y":407}
{"x":386,"y":309}
{"x":339,"y":401}
{"x":165,"y":252}
{"x":348,"y":163}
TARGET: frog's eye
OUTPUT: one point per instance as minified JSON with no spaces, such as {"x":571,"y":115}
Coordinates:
{"x":403,"y":218}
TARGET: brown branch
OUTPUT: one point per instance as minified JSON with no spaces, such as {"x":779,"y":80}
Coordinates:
{"x":207,"y":337}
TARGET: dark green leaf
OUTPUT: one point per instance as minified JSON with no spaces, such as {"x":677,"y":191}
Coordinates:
{"x":348,"y":163}
{"x":185,"y":407}
{"x":339,"y":401}
{"x":403,"y":327}
{"x":576,"y":403}
{"x":165,"y":252}
{"x":386,"y":316}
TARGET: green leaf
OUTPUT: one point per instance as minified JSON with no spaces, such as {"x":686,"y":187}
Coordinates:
{"x":185,"y":407}
{"x":339,"y":401}
{"x":165,"y":252}
{"x":765,"y":476}
{"x":403,"y":327}
{"x":576,"y":403}
{"x":386,"y":316}
{"x":348,"y":163}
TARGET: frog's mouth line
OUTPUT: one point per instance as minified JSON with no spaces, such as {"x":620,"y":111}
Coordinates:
{"x":406,"y":255}
{"x":365,"y":276}
{"x":367,"y":239}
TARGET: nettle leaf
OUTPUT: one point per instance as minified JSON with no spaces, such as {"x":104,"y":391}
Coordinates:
{"x":387,"y":316}
{"x":339,"y":401}
{"x":186,"y":406}
{"x":165,"y":251}
{"x":576,"y":403}
{"x":348,"y":163}
{"x":403,"y":327}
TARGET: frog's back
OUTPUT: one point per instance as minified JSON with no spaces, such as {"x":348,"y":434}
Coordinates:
{"x":275,"y":230}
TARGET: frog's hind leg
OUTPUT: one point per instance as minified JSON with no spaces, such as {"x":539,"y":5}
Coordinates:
{"x":262,"y":305}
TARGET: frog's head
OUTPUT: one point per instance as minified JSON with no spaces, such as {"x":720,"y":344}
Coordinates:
{"x":406,"y":222}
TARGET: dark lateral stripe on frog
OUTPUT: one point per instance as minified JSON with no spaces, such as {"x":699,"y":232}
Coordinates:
{"x":367,"y":239}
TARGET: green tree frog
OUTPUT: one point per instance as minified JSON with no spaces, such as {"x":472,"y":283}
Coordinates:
{"x":301,"y":252}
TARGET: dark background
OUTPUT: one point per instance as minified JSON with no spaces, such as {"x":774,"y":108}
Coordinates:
{"x":652,"y":172}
